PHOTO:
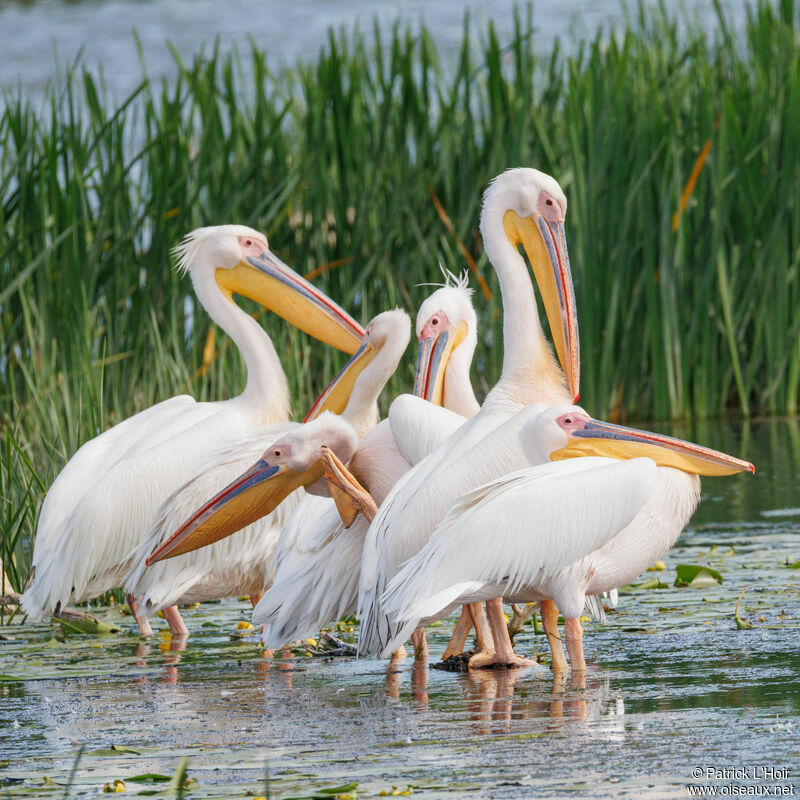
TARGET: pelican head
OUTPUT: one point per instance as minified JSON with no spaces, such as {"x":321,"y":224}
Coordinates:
{"x":445,"y":321}
{"x":387,"y":333}
{"x":239,"y":261}
{"x":562,"y":432}
{"x":287,"y":464}
{"x":532,"y":208}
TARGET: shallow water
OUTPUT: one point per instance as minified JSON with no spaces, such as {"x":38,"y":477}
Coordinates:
{"x":39,"y":39}
{"x":672,"y":686}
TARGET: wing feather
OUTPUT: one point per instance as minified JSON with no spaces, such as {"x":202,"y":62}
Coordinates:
{"x":235,"y":565}
{"x":94,"y":546}
{"x":519,"y":532}
{"x":419,"y":427}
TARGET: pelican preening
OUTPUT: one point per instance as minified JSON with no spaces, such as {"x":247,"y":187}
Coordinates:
{"x":444,"y":503}
{"x":102,"y":503}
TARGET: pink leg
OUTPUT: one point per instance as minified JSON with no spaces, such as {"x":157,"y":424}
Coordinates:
{"x":141,"y":619}
{"x":483,"y":631}
{"x":460,"y":633}
{"x":176,"y":624}
{"x":420,"y":644}
{"x":503,"y":649}
{"x":254,"y":598}
{"x":549,"y":614}
{"x":573,"y":633}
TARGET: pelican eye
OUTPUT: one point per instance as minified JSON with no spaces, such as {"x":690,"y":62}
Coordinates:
{"x":548,"y":202}
{"x":568,"y":421}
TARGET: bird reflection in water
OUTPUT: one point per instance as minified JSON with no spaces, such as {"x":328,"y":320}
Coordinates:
{"x":170,"y":649}
{"x":495,"y":698}
{"x":280,"y":662}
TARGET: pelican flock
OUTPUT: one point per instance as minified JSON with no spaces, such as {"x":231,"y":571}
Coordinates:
{"x":101,"y":505}
{"x":446,"y":503}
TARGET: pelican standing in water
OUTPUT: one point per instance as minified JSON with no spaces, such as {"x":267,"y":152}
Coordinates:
{"x":522,"y":206}
{"x":316,"y":564}
{"x":583,"y":525}
{"x":102,"y":503}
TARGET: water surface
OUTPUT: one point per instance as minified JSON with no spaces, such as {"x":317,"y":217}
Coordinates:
{"x":40,"y":38}
{"x":672,"y":686}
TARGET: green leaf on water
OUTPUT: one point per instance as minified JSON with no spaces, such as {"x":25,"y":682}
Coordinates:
{"x":696,"y":575}
{"x":115,"y":750}
{"x":349,"y":787}
{"x":348,"y":790}
{"x":149,"y":777}
{"x":85,"y":624}
{"x":653,"y":583}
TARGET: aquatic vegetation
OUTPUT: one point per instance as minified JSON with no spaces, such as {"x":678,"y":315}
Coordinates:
{"x":365,"y":167}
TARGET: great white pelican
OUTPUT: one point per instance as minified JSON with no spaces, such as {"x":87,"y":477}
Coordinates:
{"x":102,"y":503}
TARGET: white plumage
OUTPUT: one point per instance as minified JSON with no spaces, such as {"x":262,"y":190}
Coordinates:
{"x":225,"y":568}
{"x":243,"y":560}
{"x":317,"y":562}
{"x":558,"y":531}
{"x":517,"y":532}
{"x":102,"y":503}
{"x":533,"y":206}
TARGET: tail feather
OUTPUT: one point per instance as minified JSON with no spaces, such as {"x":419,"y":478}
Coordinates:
{"x":594,"y":603}
{"x":401,"y":622}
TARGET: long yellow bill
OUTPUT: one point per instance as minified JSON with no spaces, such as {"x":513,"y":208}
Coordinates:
{"x":337,"y":394}
{"x":545,"y":244}
{"x":432,"y":358}
{"x":267,"y":280}
{"x":595,"y":438}
{"x":251,"y":496}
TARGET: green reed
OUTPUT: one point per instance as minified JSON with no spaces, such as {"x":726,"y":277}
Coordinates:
{"x":338,"y":161}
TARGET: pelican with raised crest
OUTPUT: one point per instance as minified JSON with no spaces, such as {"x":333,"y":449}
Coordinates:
{"x":521,"y":207}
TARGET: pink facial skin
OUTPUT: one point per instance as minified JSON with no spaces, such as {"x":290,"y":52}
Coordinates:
{"x":436,"y":323}
{"x":549,"y":208}
{"x":574,"y":421}
{"x":251,"y":246}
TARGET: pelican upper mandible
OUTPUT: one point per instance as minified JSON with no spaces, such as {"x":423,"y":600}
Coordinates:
{"x":584,"y":524}
{"x":522,"y":206}
{"x":101,"y":504}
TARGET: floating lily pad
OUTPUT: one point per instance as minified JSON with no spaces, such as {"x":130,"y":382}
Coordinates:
{"x":115,"y":750}
{"x":149,"y":777}
{"x":653,"y":583}
{"x":696,"y":575}
{"x":85,"y":624}
{"x":347,"y":790}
